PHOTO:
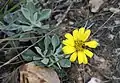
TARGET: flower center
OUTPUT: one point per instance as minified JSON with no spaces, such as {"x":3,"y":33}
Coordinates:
{"x":79,"y":45}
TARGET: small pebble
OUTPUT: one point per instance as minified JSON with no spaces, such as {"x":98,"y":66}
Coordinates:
{"x":117,"y":22}
{"x":111,"y":36}
{"x":71,"y":23}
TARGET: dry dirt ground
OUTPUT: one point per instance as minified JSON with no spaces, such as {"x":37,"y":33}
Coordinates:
{"x":105,"y":26}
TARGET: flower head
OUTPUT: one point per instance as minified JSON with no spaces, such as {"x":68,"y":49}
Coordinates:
{"x":76,"y":45}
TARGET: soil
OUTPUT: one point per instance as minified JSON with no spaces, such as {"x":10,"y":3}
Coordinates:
{"x":105,"y":27}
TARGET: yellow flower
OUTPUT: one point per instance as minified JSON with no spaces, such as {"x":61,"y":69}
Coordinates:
{"x":76,"y":45}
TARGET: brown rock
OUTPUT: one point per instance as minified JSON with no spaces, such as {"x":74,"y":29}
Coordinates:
{"x":29,"y":73}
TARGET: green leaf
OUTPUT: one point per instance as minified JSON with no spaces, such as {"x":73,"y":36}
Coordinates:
{"x":2,"y":26}
{"x":39,"y":63}
{"x":39,"y":51}
{"x":65,"y":63}
{"x":24,"y":36}
{"x":26,"y":13}
{"x":58,"y":50}
{"x":56,"y":59}
{"x":34,"y":18}
{"x":61,"y":56}
{"x":26,"y":28}
{"x":11,"y":17}
{"x":51,"y":60}
{"x":13,"y":27}
{"x":29,"y":1}
{"x":31,"y":7}
{"x":45,"y":26}
{"x":44,"y":14}
{"x":36,"y":58}
{"x":38,"y":24}
{"x":45,"y":61}
{"x":22,"y":19}
{"x":32,"y":39}
{"x":47,"y":42}
{"x":55,"y":42}
{"x":28,"y":55}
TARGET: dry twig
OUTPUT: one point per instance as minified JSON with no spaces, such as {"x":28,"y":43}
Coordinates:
{"x":64,"y":15}
{"x":102,"y":25}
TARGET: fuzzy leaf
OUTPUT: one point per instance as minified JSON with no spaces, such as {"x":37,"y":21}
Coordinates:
{"x":45,"y":61}
{"x":47,"y":42}
{"x":2,"y":26}
{"x":26,"y":13}
{"x":39,"y":51}
{"x":29,"y":1}
{"x":65,"y":63}
{"x":59,"y":49}
{"x":37,"y":24}
{"x":34,"y":18}
{"x":24,"y":36}
{"x":28,"y":55}
{"x":26,"y":28}
{"x":39,"y":63}
{"x":36,"y":58}
{"x":45,"y":26}
{"x":11,"y":17}
{"x":13,"y":27}
{"x":31,"y":7}
{"x":44,"y":14}
{"x":55,"y":42}
{"x":22,"y":19}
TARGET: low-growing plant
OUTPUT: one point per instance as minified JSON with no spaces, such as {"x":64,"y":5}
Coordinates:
{"x":28,"y":18}
{"x":49,"y":53}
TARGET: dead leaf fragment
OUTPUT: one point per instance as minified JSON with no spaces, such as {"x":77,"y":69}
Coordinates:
{"x":101,"y":63}
{"x":29,"y":73}
{"x":95,"y":5}
{"x":95,"y":80}
{"x":114,"y":10}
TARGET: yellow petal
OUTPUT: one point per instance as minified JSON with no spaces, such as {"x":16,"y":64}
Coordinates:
{"x":81,"y":33}
{"x":91,"y":44}
{"x":85,"y":60}
{"x":68,"y":36}
{"x":68,"y":49}
{"x":80,"y":57}
{"x":73,"y":57}
{"x":68,"y":42}
{"x":86,"y":34}
{"x":88,"y":53}
{"x":75,"y":34}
